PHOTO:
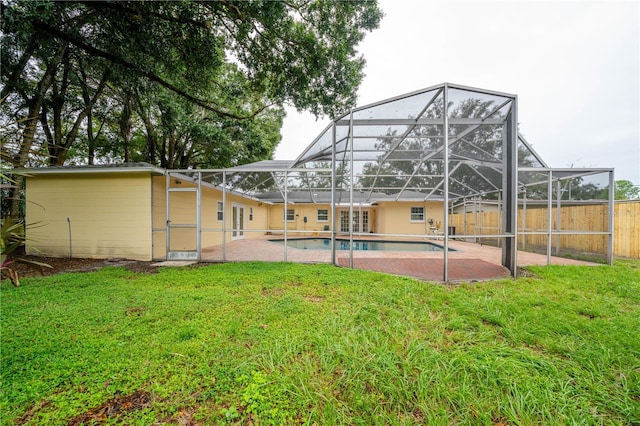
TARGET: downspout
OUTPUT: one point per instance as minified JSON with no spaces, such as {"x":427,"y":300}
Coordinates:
{"x":69,"y":224}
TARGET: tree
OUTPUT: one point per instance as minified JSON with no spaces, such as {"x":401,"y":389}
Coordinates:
{"x":625,"y":190}
{"x":228,"y":66}
{"x":413,"y":161}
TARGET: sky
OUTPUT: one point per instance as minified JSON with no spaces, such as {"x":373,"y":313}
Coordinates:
{"x":575,"y":66}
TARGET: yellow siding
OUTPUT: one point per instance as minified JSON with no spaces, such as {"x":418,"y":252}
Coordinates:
{"x":387,"y":217}
{"x":310,"y":211}
{"x":395,"y":217}
{"x":212,"y":227}
{"x":183,"y":211}
{"x":159,"y":218}
{"x":110,"y":215}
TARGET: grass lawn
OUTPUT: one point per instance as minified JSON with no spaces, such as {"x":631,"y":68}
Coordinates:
{"x":275,"y":343}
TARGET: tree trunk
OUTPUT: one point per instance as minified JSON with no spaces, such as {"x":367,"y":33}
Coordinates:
{"x":22,"y":63}
{"x":31,"y":123}
{"x":125,"y":127}
{"x":152,"y":142}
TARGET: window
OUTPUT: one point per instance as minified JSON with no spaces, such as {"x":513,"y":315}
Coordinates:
{"x":291,"y":215}
{"x":220,"y":211}
{"x":417,"y":214}
{"x":323,"y":215}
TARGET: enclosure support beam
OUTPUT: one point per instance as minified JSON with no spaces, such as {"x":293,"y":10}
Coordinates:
{"x":224,"y":216}
{"x":510,"y":189}
{"x":524,"y":219}
{"x":445,"y":131}
{"x":333,"y":195}
{"x":549,"y":214}
{"x":464,"y":216}
{"x":500,"y":218}
{"x":611,"y":218}
{"x":351,"y":189}
{"x":286,"y":207}
{"x":475,"y":219}
{"x":199,"y":218}
{"x":558,"y":215}
{"x":167,"y":185}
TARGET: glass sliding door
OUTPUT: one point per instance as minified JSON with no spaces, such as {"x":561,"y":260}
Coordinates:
{"x":237,"y":221}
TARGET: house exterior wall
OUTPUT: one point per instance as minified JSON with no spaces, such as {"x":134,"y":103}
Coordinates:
{"x":394,"y":217}
{"x":122,"y":215}
{"x":182,"y":210}
{"x":212,"y":227}
{"x":109,"y":215}
{"x":310,"y":211}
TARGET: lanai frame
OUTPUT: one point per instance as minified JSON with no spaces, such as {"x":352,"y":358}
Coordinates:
{"x":335,"y":146}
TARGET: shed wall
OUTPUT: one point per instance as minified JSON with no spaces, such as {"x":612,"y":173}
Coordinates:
{"x":109,"y":216}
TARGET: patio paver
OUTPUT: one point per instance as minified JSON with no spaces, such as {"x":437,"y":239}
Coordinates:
{"x":470,"y":261}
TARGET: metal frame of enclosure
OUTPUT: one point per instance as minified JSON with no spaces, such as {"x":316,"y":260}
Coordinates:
{"x":449,"y":143}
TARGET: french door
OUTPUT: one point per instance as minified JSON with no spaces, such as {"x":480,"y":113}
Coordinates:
{"x":237,"y":221}
{"x":360,"y":220}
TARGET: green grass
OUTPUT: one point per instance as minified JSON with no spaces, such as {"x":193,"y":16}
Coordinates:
{"x":269,"y":343}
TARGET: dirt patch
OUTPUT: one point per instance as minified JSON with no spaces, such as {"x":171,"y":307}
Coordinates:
{"x":135,"y":311}
{"x":184,"y":417}
{"x":524,"y":273}
{"x":63,"y":264}
{"x":114,"y":408}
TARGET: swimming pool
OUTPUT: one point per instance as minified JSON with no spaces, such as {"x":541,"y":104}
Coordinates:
{"x":325,"y":244}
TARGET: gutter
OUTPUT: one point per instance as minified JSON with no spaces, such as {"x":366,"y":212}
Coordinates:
{"x":89,"y":170}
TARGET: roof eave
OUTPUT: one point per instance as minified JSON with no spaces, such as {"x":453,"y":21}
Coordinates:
{"x":72,"y":170}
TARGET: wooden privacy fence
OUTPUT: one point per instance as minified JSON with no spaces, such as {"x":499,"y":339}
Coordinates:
{"x":579,"y":218}
{"x":626,"y":229}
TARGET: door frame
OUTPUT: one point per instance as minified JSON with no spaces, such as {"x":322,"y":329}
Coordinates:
{"x":239,"y":218}
{"x":358,"y":215}
{"x":182,"y":254}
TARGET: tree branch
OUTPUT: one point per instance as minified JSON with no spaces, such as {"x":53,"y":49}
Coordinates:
{"x":121,"y":8}
{"x":22,"y":63}
{"x":150,"y":75}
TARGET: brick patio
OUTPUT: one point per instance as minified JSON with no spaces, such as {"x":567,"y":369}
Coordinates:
{"x":469,"y":262}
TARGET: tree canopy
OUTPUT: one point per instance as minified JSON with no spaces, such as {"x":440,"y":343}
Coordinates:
{"x":626,"y":190}
{"x":178,"y":84}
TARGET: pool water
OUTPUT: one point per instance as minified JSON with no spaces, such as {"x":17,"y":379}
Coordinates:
{"x":325,"y":244}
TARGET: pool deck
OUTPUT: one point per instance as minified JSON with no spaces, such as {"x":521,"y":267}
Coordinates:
{"x":470,"y":261}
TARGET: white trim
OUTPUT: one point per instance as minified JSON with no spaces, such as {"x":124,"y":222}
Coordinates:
{"x":241,"y":228}
{"x":318,"y":215}
{"x":286,"y":213}
{"x":218,"y":205}
{"x":411,"y":214}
